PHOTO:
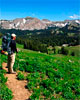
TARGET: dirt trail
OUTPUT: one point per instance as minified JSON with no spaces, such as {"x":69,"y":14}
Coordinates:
{"x":17,"y":87}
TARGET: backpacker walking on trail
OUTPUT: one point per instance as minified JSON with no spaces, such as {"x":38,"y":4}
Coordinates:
{"x":11,"y":55}
{"x":9,"y":48}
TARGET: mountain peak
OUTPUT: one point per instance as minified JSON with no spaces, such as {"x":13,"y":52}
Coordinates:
{"x":29,"y":17}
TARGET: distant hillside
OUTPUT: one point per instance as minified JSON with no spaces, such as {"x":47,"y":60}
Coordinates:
{"x":39,"y":40}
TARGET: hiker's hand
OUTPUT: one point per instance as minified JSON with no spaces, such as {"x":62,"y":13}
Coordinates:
{"x":17,"y":50}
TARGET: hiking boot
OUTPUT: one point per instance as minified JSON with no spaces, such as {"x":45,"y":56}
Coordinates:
{"x":13,"y":73}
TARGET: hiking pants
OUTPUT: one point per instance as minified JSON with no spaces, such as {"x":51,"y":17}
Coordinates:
{"x":11,"y":61}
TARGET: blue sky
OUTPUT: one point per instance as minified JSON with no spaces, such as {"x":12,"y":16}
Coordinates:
{"x":42,"y":9}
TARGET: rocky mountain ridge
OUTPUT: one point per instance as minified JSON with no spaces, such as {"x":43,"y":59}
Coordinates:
{"x":30,"y":23}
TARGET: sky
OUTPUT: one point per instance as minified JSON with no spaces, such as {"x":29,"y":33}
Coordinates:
{"x":55,"y":10}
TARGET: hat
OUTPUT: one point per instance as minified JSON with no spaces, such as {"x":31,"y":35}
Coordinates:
{"x":13,"y":35}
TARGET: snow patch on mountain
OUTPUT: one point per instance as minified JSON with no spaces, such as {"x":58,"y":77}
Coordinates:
{"x":77,"y":21}
{"x":17,"y":24}
{"x":60,"y":24}
{"x":11,"y":26}
{"x":24,"y":21}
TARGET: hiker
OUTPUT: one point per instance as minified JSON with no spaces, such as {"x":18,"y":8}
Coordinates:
{"x":11,"y":55}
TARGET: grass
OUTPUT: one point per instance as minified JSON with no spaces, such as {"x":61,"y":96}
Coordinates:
{"x":19,"y":46}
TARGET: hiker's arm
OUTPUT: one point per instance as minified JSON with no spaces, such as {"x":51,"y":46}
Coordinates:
{"x":16,"y":49}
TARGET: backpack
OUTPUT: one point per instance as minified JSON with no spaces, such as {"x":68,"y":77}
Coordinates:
{"x":6,"y":42}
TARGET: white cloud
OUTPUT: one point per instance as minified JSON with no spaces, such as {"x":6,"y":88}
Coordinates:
{"x":75,"y":16}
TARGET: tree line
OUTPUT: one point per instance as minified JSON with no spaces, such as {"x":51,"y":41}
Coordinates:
{"x":39,"y":40}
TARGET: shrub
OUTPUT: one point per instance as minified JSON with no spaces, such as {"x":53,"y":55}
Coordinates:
{"x":5,"y":93}
{"x":64,"y":51}
{"x":72,"y":54}
{"x":20,"y":76}
{"x":35,"y":95}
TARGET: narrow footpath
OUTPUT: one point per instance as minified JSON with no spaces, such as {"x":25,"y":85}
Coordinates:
{"x":16,"y":86}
